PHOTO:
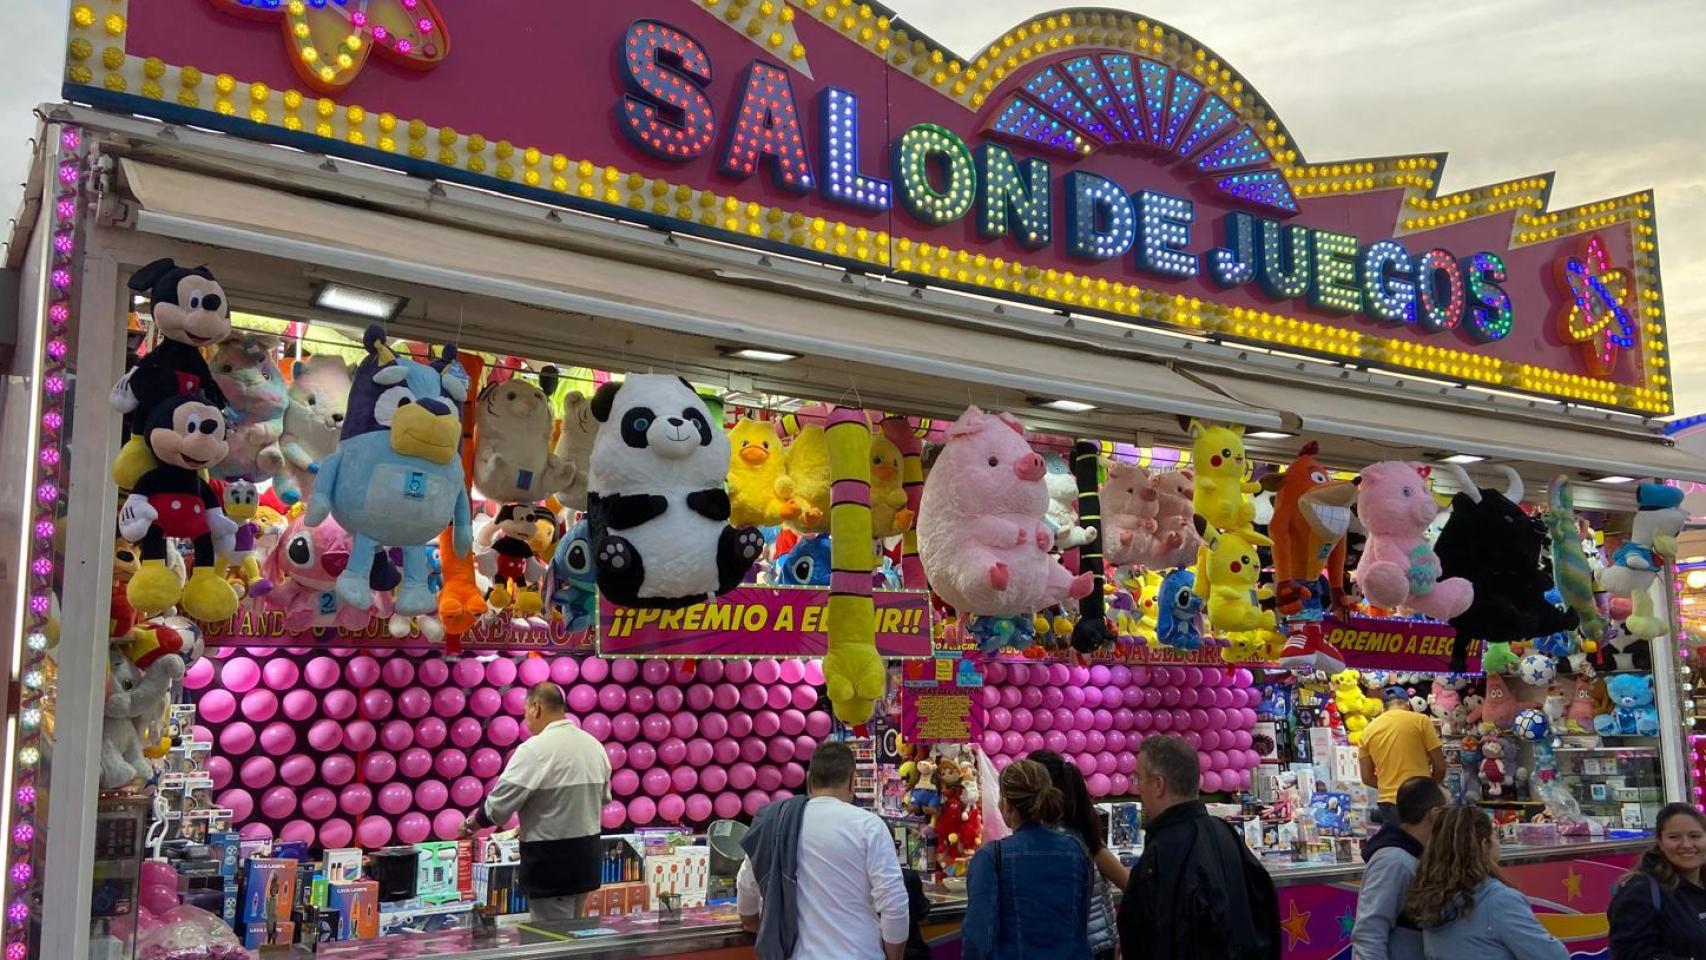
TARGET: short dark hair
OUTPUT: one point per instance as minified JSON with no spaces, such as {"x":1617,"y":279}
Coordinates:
{"x":832,"y":766}
{"x":548,"y":696}
{"x":1417,"y":797}
{"x":1174,"y":760}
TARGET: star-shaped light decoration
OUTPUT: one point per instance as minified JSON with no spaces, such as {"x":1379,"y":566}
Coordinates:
{"x":1572,"y":884}
{"x":329,"y":41}
{"x":1596,"y":312}
{"x":1296,"y":926}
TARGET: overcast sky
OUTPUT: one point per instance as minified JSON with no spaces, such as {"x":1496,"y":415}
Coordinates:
{"x":1605,"y":92}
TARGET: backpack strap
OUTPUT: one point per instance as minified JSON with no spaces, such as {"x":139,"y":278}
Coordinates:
{"x":1657,"y":893}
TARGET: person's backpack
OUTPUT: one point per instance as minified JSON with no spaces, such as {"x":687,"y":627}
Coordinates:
{"x":1249,"y":893}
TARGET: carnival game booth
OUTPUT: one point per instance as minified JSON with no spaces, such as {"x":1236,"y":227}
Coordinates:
{"x":822,"y":221}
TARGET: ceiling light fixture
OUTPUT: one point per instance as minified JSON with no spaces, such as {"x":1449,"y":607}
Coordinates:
{"x":372,"y":304}
{"x":1066,"y":406}
{"x":1614,"y":478}
{"x":762,"y":356}
{"x":1268,"y":435}
{"x":1462,"y":458}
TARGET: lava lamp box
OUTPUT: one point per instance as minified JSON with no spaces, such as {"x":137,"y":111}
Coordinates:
{"x":269,"y":890}
{"x":357,"y":906}
{"x":225,"y":846}
{"x":280,"y":934}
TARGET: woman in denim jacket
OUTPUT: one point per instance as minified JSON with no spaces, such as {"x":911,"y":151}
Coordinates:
{"x":1107,"y":873}
{"x":1463,"y":905}
{"x":1029,"y":895}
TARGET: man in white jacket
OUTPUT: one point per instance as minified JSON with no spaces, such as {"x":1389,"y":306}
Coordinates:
{"x":1382,"y":932}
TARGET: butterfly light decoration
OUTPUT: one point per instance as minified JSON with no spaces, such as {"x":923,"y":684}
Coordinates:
{"x":329,"y":41}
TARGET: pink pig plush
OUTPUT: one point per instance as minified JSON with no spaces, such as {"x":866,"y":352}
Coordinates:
{"x":1398,"y":567}
{"x":1130,"y":506}
{"x":1176,"y":537}
{"x":981,"y":535}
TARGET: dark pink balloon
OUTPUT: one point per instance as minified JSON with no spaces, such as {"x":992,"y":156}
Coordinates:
{"x":485,"y":702}
{"x":655,"y":727}
{"x":655,"y":672}
{"x":597,"y":726}
{"x":684,"y":725}
{"x":725,"y":696}
{"x":1098,"y":784}
{"x":319,"y":803}
{"x":1095,"y":741}
{"x":430,"y":732}
{"x":655,"y":782}
{"x":396,"y":735}
{"x":727,"y":805}
{"x":727,"y":750}
{"x":447,"y":824}
{"x":780,"y":697}
{"x":713,"y":778}
{"x":672,"y":752}
{"x":698,"y":808}
{"x":565,"y":670}
{"x":468,"y":672}
{"x":378,"y":767}
{"x":766,"y":723}
{"x":433,"y":672}
{"x":792,"y":723}
{"x":642,"y":756}
{"x":337,"y":770}
{"x":753,"y":749}
{"x":466,"y":732}
{"x":359,"y":736}
{"x":241,"y":803}
{"x":1053,"y":740}
{"x":742,"y":775}
{"x":612,"y":697}
{"x":740,"y":724}
{"x":614,"y":815}
{"x":336,"y":832}
{"x":1115,"y":741}
{"x":793,"y":775}
{"x":781,"y":751}
{"x":583,"y":698}
{"x":237,"y":739}
{"x":683,"y":779}
{"x":413,"y":702}
{"x":1112,"y":698}
{"x":501,"y":672}
{"x":485,"y":763}
{"x":737,"y":671}
{"x":397,"y":672}
{"x":1033,"y":741}
{"x":1012,"y":743}
{"x":699,"y":752}
{"x":1124,"y":719}
{"x":595,"y":670}
{"x":394,"y":798}
{"x":298,"y":704}
{"x":769,"y":778}
{"x":1052,"y":698}
{"x":216,"y":706}
{"x":503,"y":731}
{"x":449,"y":764}
{"x":999,"y":719}
{"x":414,"y":762}
{"x":338,"y":704}
{"x":642,"y":810}
{"x":625,"y":727}
{"x":532,"y":670}
{"x":431,"y":795}
{"x":671,"y":808}
{"x":373,"y":832}
{"x":515,"y":701}
{"x":754,"y":696}
{"x":1162,"y":720}
{"x":819,"y":723}
{"x":355,"y":799}
{"x":296,"y":770}
{"x":363,"y":671}
{"x":624,"y":671}
{"x":1092,"y":697}
{"x":669,"y":699}
{"x":257,"y":773}
{"x":699,"y":697}
{"x":1128,"y":763}
{"x":618,"y":755}
{"x":1085,"y":763}
{"x":804,"y":747}
{"x":467,"y":792}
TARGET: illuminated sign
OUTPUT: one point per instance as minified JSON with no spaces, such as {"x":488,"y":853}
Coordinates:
{"x":1090,"y":161}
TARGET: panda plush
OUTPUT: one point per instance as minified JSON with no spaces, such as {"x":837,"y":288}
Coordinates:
{"x":657,"y":508}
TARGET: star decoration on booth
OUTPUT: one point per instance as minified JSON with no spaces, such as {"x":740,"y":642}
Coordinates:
{"x":1596,"y":312}
{"x":1347,"y":922}
{"x":1572,"y":884}
{"x":329,"y":41}
{"x":1296,"y":926}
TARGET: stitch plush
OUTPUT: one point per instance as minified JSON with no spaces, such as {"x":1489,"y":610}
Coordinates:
{"x":656,"y":501}
{"x":304,"y":570}
{"x":889,"y":514}
{"x":396,"y":479}
{"x":1178,"y":619}
{"x":1659,"y":517}
{"x":755,"y":465}
{"x":319,"y":398}
{"x":1312,"y":513}
{"x":1633,"y":712}
{"x":981,"y":535}
{"x":1130,"y":506}
{"x":807,"y":565}
{"x":1398,"y":569}
{"x":513,"y":462}
{"x":805,"y":483}
{"x":574,"y":580}
{"x":185,"y":435}
{"x":189,"y":311}
{"x":254,"y":388}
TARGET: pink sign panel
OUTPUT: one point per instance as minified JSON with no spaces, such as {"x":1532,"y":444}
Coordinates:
{"x":1422,"y":646}
{"x":759,"y":622}
{"x":257,"y":625}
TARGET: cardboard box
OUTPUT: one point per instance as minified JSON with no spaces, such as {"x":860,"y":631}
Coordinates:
{"x":269,"y":890}
{"x":619,"y":899}
{"x":685,"y":873}
{"x":282,"y":934}
{"x":417,"y":920}
{"x":436,"y":872}
{"x":224,"y":847}
{"x":357,"y":906}
{"x":342,"y":865}
{"x":465,"y":868}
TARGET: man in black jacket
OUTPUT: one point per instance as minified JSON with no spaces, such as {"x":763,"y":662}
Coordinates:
{"x":1197,"y":892}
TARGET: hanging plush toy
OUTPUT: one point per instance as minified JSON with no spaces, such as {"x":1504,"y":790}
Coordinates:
{"x":805,"y":482}
{"x":655,"y":498}
{"x":396,"y":479}
{"x":189,"y":311}
{"x":574,"y":580}
{"x":246,"y":372}
{"x":1063,"y":506}
{"x":319,"y":399}
{"x":574,"y":446}
{"x":513,"y":462}
{"x":1178,"y":621}
{"x":185,"y":435}
{"x":1659,"y":518}
{"x":901,"y":432}
{"x":985,"y":547}
{"x":517,"y":573}
{"x":807,"y":565}
{"x":1130,"y":506}
{"x":755,"y":464}
{"x":1176,"y":539}
{"x":1570,"y":567}
{"x":1312,"y":514}
{"x":304,"y":570}
{"x":1232,"y":569}
{"x":889,"y":514}
{"x":135,"y":698}
{"x":1221,"y":494}
{"x":1092,"y":632}
{"x":242,"y":505}
{"x":1398,"y":569}
{"x":854,"y":675}
{"x":461,"y":602}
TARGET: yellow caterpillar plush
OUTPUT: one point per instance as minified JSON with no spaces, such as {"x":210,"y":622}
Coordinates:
{"x":852,"y":671}
{"x":805,"y":484}
{"x":755,"y":465}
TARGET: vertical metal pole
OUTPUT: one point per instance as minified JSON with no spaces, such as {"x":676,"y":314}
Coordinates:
{"x":1674,"y":723}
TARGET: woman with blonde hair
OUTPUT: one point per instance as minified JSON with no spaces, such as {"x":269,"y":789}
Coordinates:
{"x":1029,"y":894}
{"x":1463,"y":905}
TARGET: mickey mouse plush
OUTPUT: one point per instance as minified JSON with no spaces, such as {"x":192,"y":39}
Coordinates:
{"x":518,"y":570}
{"x":184,"y":436}
{"x":190,"y":311}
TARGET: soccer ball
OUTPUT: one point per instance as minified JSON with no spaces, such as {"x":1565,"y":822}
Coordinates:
{"x":1536,"y":670}
{"x":1531,"y":725}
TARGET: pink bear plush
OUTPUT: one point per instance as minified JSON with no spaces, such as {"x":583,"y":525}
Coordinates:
{"x":1398,"y":568}
{"x":1130,"y":506}
{"x":981,"y":535}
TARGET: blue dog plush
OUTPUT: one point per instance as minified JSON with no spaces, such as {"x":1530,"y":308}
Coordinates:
{"x":396,"y":477}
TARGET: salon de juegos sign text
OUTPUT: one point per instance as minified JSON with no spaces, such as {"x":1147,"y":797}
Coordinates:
{"x":1086,"y":160}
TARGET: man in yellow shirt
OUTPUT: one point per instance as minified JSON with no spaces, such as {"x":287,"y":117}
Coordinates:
{"x":1397,"y":745}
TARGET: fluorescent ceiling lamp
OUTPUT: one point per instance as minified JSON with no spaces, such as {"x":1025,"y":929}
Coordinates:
{"x":363,"y":303}
{"x":1068,"y":406}
{"x":1615,"y":479}
{"x":1269,"y":435}
{"x":762,"y":356}
{"x":1462,"y":458}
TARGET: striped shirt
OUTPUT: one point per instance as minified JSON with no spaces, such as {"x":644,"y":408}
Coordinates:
{"x":558,"y":782}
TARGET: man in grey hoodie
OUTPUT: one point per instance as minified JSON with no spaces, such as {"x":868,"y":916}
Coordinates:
{"x":1382,"y":932}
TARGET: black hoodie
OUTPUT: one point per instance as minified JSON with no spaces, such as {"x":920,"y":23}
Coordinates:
{"x":1649,"y":922}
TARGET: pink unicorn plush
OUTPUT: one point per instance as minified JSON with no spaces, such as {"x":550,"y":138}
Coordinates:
{"x":305,"y":568}
{"x":1399,"y":568}
{"x":981,"y":535}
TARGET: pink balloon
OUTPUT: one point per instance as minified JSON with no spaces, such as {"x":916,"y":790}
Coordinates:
{"x":1124,"y":719}
{"x":655,"y":672}
{"x":814,"y":672}
{"x":641,"y":699}
{"x":999,"y":719}
{"x":237,"y":739}
{"x":467,"y":673}
{"x":683,"y":779}
{"x":642,"y":810}
{"x":656,"y":782}
{"x":394,"y":798}
{"x":595,"y":670}
{"x":378,"y":767}
{"x":278,"y":803}
{"x":804,"y":747}
{"x":431,"y":795}
{"x":725,"y":696}
{"x":754,"y":696}
{"x":583,"y":698}
{"x":742,"y":775}
{"x":433,"y":672}
{"x":278,"y":738}
{"x":1076,"y":741}
{"x":737,"y":671}
{"x":624,"y":671}
{"x":1127,"y":763}
{"x":740,"y":724}
{"x":396,"y":735}
{"x":485,"y":762}
{"x":766,"y":671}
{"x":753,"y":749}
{"x":199,"y":675}
{"x":670,"y":699}
{"x":781,"y":751}
{"x":625,"y":727}
{"x":1095,"y":741}
{"x":373,"y":832}
{"x":414,"y":762}
{"x":447,"y":824}
{"x":466,"y":732}
{"x":1116,"y":741}
{"x":467,"y":791}
{"x":1099,"y":785}
{"x":754,"y":801}
{"x":766,"y":723}
{"x":257,"y":773}
{"x":1119,"y":785}
{"x":726,"y":750}
{"x":792,"y":723}
{"x":363,"y":671}
{"x":503,"y":731}
{"x":1021,"y":720}
{"x":515,"y":701}
{"x":819,"y":723}
{"x":337,"y":769}
{"x":1052,"y":698}
{"x":1211,"y":781}
{"x":769,"y":778}
{"x":359,"y":736}
{"x":642,"y":756}
{"x":699,"y":697}
{"x":297,"y":831}
{"x":698,"y":808}
{"x":397,"y":672}
{"x":727,"y":805}
{"x":501,"y":672}
{"x":1012,"y":743}
{"x":217,"y":706}
{"x":781,"y":697}
{"x":1033,"y":741}
{"x":281,"y":673}
{"x":1193,"y":738}
{"x":413,"y":702}
{"x":533,"y":670}
{"x":449,"y":764}
{"x":612,"y":697}
{"x":240,"y":675}
{"x":430,"y":732}
{"x":699,"y":752}
{"x":564,"y":670}
{"x":793,"y":775}
{"x":338,"y":704}
{"x":1092,"y":697}
{"x":322,"y":672}
{"x":485,"y":702}
{"x":672,"y":751}
{"x":1107,"y":764}
{"x":336,"y":832}
{"x":614,"y":815}
{"x":296,"y":770}
{"x":297,"y":704}
{"x":684,"y":725}
{"x":355,"y":799}
{"x":625,"y":783}
{"x":596,"y":725}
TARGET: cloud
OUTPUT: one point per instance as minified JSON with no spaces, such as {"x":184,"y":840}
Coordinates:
{"x":32,"y":46}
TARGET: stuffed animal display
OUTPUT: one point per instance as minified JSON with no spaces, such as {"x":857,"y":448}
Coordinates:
{"x":513,"y":462}
{"x":1178,"y":617}
{"x":189,"y":311}
{"x":246,"y":373}
{"x":1398,"y":568}
{"x":319,"y":398}
{"x":756,"y":464}
{"x":136,"y":701}
{"x":804,"y":484}
{"x":1232,"y":570}
{"x":396,"y":478}
{"x":1176,"y":539}
{"x":574,"y":579}
{"x":1064,"y":507}
{"x":1632,"y":710}
{"x":1312,"y":515}
{"x":981,"y":533}
{"x":305,"y":570}
{"x":1659,"y":518}
{"x":656,"y":501}
{"x":806,"y":565}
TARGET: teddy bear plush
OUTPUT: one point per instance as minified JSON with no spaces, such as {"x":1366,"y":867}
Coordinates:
{"x":1493,"y":770}
{"x":513,"y":461}
{"x":189,"y":311}
{"x":1633,"y":712}
{"x":247,"y":373}
{"x":1398,"y":569}
{"x":1659,"y":518}
{"x":656,"y":502}
{"x":574,"y":446}
{"x":396,"y":478}
{"x":319,"y":400}
{"x":136,"y":698}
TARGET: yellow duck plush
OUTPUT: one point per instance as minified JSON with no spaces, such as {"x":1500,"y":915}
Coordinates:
{"x":889,"y":514}
{"x":1234,"y":602}
{"x":755,"y":466}
{"x":805,"y":483}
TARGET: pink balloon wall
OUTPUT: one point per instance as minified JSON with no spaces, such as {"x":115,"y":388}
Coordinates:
{"x":401,"y":746}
